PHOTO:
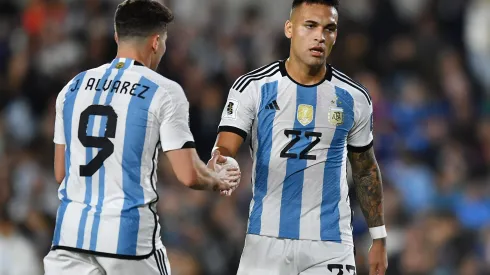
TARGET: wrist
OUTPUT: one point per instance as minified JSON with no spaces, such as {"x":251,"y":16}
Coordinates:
{"x":381,"y":242}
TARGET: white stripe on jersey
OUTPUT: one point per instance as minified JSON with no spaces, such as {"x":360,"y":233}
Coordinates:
{"x":344,"y":204}
{"x":272,"y":205}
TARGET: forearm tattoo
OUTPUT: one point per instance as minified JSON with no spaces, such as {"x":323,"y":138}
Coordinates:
{"x":368,"y":186}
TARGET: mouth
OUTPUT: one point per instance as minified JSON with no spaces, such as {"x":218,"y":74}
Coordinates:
{"x":317,"y":51}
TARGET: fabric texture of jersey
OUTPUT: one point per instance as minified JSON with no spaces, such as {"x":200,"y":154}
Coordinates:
{"x":112,"y":120}
{"x":299,"y":140}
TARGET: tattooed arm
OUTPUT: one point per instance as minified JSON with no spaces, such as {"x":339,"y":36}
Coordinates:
{"x":369,"y":191}
{"x":368,"y":186}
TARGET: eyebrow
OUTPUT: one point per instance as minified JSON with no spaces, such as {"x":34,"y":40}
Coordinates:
{"x":316,"y":23}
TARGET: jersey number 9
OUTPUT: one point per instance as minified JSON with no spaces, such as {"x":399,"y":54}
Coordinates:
{"x":106,"y":146}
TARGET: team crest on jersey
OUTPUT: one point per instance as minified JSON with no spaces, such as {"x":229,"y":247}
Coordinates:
{"x":305,"y":114}
{"x":336,"y":116}
{"x":119,"y":65}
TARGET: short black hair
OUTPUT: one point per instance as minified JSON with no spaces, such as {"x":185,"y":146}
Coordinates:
{"x":331,"y":3}
{"x":141,"y":18}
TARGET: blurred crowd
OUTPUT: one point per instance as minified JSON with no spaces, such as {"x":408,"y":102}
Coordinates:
{"x":426,"y":64}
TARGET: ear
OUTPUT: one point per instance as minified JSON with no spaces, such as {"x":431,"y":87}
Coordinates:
{"x":155,"y":43}
{"x":288,"y":29}
{"x":116,"y":38}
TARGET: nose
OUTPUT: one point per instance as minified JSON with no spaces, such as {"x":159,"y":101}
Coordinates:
{"x":320,"y":36}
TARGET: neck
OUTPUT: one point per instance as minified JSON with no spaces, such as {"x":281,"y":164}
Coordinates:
{"x":305,"y":74}
{"x":131,"y":52}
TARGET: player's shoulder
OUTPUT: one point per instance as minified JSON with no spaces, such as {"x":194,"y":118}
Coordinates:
{"x":90,"y":72}
{"x":356,"y":89}
{"x":165,"y":84}
{"x":262,"y":75}
{"x":74,"y":82}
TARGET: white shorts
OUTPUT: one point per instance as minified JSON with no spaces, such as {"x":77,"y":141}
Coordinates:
{"x":63,"y":262}
{"x":273,"y":256}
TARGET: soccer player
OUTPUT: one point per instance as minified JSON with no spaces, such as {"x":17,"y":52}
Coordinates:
{"x":305,"y":119}
{"x":110,"y":122}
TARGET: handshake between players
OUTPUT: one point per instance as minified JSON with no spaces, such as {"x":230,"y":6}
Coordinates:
{"x":228,"y":171}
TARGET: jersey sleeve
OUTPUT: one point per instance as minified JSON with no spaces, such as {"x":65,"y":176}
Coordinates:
{"x":239,"y":112}
{"x":59,"y":129}
{"x":174,"y":114}
{"x":361,"y":135}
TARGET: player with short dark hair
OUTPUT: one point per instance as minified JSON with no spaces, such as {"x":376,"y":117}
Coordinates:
{"x":110,"y":123}
{"x":141,"y":19}
{"x":305,"y":119}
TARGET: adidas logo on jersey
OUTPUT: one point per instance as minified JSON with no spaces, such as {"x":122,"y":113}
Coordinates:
{"x":273,"y":106}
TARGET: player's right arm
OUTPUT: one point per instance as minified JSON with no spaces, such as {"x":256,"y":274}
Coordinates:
{"x":193,"y":173}
{"x":236,"y":121}
{"x":178,"y":144}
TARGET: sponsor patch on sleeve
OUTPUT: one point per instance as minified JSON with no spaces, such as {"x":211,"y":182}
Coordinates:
{"x":231,"y":109}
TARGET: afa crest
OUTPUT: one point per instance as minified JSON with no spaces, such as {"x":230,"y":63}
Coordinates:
{"x":336,"y":116}
{"x":305,"y":114}
{"x":119,"y":65}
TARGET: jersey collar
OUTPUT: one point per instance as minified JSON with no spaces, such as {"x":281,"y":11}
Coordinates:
{"x":284,"y":72}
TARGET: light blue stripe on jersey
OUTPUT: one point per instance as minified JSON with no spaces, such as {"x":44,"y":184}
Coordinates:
{"x":292,"y":191}
{"x":134,"y":142}
{"x":69,"y":104}
{"x":89,"y":157}
{"x":329,"y":215}
{"x":103,"y":125}
{"x":264,"y":136}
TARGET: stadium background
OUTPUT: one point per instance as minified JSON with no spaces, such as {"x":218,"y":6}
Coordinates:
{"x":426,"y":64}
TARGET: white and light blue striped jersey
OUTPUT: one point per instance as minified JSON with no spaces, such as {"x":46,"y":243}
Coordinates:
{"x":112,"y":120}
{"x":299,"y":141}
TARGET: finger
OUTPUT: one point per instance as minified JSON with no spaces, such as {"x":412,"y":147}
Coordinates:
{"x":225,"y":187}
{"x":232,"y":169}
{"x":373,"y":269}
{"x":232,"y":179}
{"x":382,"y":269}
{"x":235,"y":172}
{"x":221,"y":159}
{"x":212,"y":162}
{"x":232,"y":184}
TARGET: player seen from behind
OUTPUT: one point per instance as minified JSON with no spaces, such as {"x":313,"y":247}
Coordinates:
{"x":110,"y":123}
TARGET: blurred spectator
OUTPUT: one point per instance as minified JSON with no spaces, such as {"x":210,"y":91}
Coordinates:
{"x":18,"y":256}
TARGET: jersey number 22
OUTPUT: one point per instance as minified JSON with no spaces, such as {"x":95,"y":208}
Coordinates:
{"x":297,"y":137}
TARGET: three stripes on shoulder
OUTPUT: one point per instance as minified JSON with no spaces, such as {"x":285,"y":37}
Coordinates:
{"x":349,"y":81}
{"x":266,"y":71}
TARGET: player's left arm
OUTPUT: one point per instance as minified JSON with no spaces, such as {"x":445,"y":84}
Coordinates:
{"x":368,"y":183}
{"x":368,"y":186}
